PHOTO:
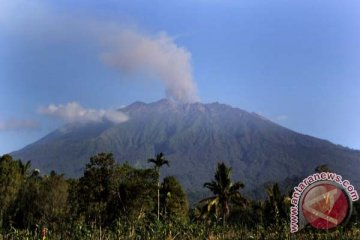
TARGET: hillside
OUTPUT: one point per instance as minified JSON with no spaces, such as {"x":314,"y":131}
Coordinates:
{"x":194,"y":137}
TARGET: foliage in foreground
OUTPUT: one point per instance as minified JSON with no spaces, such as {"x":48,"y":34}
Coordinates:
{"x":118,"y":201}
{"x":183,"y":231}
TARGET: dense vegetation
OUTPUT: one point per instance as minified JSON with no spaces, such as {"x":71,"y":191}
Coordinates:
{"x":118,"y":201}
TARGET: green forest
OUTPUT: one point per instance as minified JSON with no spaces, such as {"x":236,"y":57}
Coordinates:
{"x":119,"y":201}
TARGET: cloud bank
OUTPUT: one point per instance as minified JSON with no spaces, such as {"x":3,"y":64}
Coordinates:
{"x":74,"y":112}
{"x":16,"y":124}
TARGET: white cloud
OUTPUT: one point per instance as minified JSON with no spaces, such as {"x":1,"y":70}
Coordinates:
{"x":74,"y":112}
{"x":16,"y":124}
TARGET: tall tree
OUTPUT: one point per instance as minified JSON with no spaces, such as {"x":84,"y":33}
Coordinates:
{"x":133,"y":193}
{"x":158,"y":162}
{"x":28,"y":210}
{"x":53,"y":197}
{"x":276,"y":206}
{"x":173,"y":199}
{"x":225,"y":192}
{"x":94,"y":188}
{"x":10,"y":183}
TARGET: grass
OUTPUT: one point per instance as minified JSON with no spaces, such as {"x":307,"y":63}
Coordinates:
{"x":183,"y":231}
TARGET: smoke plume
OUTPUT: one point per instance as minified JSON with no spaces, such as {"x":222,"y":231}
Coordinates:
{"x":133,"y":52}
{"x":120,"y":46}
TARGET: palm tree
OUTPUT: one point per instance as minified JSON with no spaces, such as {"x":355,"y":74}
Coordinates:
{"x":24,"y":168}
{"x":277,"y":203}
{"x":225,"y":192}
{"x":275,"y":200}
{"x":158,"y":162}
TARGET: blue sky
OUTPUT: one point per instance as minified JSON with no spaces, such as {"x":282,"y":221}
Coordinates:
{"x":294,"y":62}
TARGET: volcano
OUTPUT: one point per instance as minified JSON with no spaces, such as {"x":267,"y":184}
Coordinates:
{"x":194,"y":137}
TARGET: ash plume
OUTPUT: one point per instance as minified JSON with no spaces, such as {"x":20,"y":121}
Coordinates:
{"x":132,"y":52}
{"x":121,"y":46}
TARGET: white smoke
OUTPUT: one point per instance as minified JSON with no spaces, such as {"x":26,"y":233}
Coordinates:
{"x":74,"y":112}
{"x":130,"y":51}
{"x":125,"y":48}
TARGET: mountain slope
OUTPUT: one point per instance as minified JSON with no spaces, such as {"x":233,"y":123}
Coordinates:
{"x":194,"y":137}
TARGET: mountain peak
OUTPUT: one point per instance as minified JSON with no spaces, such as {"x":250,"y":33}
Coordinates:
{"x":165,"y":102}
{"x":163,"y":105}
{"x":195,"y":137}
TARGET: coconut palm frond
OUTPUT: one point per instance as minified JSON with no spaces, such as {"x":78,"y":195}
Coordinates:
{"x":224,"y":190}
{"x":159,"y":160}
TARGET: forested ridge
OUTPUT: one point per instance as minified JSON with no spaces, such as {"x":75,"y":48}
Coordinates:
{"x":119,"y":201}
